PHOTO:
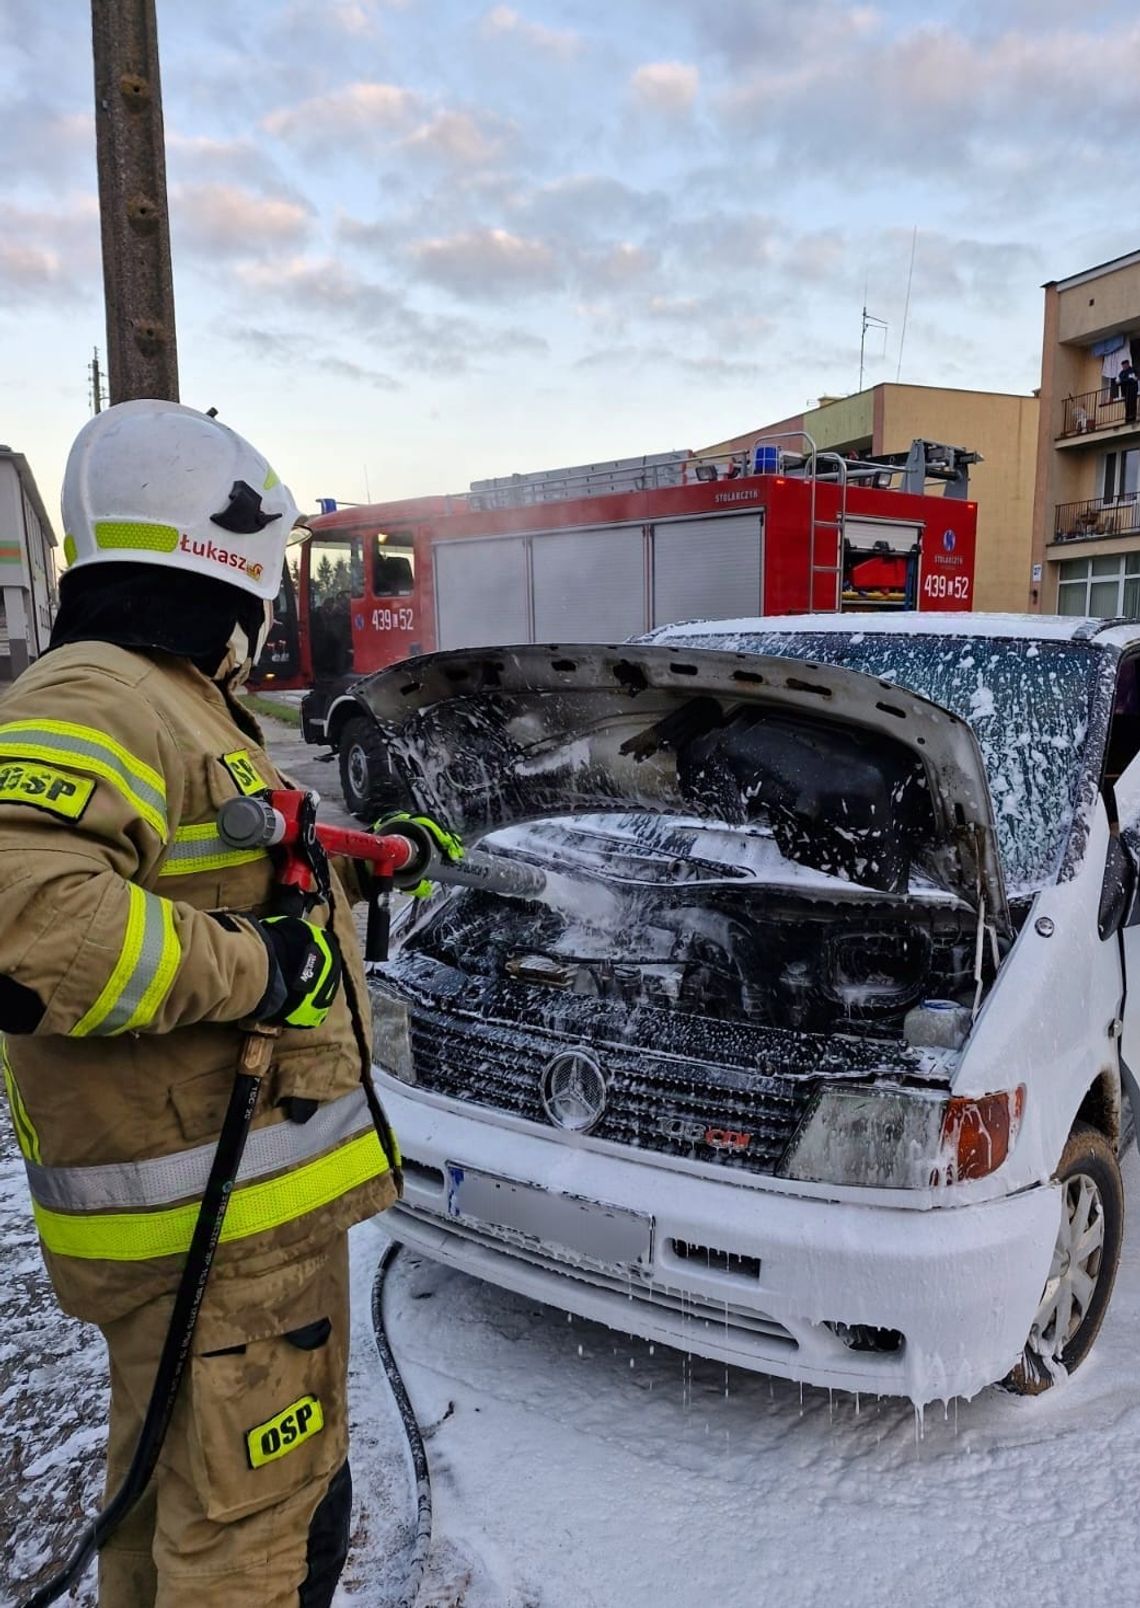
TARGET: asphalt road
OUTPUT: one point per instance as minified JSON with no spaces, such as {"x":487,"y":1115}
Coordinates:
{"x":307,"y":765}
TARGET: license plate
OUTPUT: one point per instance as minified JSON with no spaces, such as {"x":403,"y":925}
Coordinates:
{"x":566,"y":1223}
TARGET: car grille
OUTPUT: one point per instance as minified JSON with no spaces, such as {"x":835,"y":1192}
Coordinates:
{"x":662,"y":1103}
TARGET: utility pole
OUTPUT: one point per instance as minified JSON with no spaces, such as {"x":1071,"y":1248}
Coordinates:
{"x":96,"y":373}
{"x":142,"y":353}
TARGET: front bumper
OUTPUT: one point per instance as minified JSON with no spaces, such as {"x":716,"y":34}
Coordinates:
{"x":745,"y":1275}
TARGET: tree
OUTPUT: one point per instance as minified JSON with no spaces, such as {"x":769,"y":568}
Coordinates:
{"x":323,"y":579}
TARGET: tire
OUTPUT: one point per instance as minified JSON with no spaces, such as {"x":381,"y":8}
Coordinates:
{"x":365,"y":775}
{"x":1092,"y":1194}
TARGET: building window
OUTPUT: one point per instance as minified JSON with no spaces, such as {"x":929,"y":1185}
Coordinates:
{"x":1121,"y":475}
{"x":1101,"y":587}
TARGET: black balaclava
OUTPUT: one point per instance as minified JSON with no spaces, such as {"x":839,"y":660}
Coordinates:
{"x":145,"y":607}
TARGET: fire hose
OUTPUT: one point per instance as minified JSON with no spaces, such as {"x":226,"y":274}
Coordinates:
{"x":421,"y":1540}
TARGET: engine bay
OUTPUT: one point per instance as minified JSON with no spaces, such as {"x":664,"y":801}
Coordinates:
{"x":762,"y":956}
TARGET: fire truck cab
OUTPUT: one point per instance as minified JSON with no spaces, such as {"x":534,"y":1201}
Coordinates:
{"x":602,"y":552}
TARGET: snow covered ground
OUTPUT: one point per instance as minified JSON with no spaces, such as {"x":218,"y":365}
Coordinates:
{"x":576,"y":1468}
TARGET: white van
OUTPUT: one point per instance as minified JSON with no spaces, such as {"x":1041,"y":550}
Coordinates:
{"x":812,"y":1059}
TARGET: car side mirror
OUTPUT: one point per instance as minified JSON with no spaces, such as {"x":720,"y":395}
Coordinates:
{"x":1118,"y":904}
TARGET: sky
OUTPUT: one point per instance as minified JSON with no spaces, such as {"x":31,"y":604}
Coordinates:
{"x":420,"y":242}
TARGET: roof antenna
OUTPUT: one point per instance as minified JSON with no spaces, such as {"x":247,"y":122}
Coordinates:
{"x":906,"y":308}
{"x":211,"y":413}
{"x":869,"y":322}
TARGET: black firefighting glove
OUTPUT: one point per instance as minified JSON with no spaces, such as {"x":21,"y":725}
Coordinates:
{"x":305,"y":970}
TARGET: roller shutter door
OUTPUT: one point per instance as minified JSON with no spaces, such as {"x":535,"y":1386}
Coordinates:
{"x":707,"y":569}
{"x":589,"y":586}
{"x":480,"y":592}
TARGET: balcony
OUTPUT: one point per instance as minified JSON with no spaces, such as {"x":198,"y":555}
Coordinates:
{"x":1093,"y":411}
{"x":1096,"y":518}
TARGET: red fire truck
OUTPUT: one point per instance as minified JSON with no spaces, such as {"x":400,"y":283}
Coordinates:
{"x":601,"y":552}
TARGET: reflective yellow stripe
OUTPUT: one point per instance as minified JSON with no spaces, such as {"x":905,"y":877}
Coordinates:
{"x":169,"y":959}
{"x":136,"y":533}
{"x":200,"y":848}
{"x":143,"y":973}
{"x":139,"y":1236}
{"x":26,"y":1136}
{"x":86,"y":749}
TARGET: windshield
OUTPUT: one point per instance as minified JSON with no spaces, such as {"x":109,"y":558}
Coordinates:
{"x":1028,"y":703}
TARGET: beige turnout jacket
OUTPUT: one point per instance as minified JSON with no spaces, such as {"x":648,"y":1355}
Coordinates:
{"x":113,"y":765}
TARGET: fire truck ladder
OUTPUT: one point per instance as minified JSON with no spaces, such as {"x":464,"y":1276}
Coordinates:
{"x":836,"y":526}
{"x":648,"y":473}
{"x":813,"y":458}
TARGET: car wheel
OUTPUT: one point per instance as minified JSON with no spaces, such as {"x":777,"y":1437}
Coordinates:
{"x":1085,"y":1258}
{"x":365,"y":776}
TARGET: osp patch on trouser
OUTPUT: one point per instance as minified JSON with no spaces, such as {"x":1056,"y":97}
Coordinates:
{"x":247,"y":1506}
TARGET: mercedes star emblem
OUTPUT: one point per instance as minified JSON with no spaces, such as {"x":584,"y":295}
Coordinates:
{"x":573,"y":1089}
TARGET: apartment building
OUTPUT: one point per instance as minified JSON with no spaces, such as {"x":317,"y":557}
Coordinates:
{"x":27,"y":567}
{"x":1086,"y":522}
{"x":1001,"y":426}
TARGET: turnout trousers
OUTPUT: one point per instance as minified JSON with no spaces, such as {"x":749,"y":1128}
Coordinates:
{"x":249,"y":1506}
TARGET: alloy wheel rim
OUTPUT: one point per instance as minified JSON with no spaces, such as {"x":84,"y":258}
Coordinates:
{"x":1075,"y":1272}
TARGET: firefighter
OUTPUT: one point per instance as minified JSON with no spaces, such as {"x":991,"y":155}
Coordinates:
{"x":133,"y":942}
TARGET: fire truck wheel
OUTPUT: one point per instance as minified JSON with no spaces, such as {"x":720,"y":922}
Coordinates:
{"x":365,"y":778}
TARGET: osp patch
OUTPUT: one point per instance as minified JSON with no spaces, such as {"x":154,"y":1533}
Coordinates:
{"x":284,"y":1432}
{"x":244,"y":772}
{"x":44,"y":788}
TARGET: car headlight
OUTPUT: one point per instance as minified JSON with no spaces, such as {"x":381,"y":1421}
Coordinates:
{"x":893,"y":1138}
{"x":392,"y":1035}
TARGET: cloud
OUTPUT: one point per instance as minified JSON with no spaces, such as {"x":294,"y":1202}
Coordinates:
{"x":935,"y":99}
{"x":365,"y":117}
{"x":488,"y":264}
{"x":206,"y":159}
{"x":589,"y":206}
{"x":502,"y":22}
{"x":55,"y":146}
{"x":619,"y":268}
{"x":729,"y":244}
{"x":51,"y":254}
{"x":328,"y":296}
{"x":322,"y":29}
{"x":324,"y":286}
{"x":711,"y":368}
{"x":32,"y":273}
{"x":744,"y":30}
{"x":459,"y":138}
{"x":307,"y":352}
{"x":225,"y":220}
{"x":669,"y":87}
{"x":352,"y":113}
{"x":979,"y":275}
{"x":375,"y":235}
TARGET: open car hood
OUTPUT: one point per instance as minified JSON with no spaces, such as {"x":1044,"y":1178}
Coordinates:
{"x":854,"y":776}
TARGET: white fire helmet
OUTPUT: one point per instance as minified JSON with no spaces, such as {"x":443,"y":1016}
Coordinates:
{"x":162,"y":484}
